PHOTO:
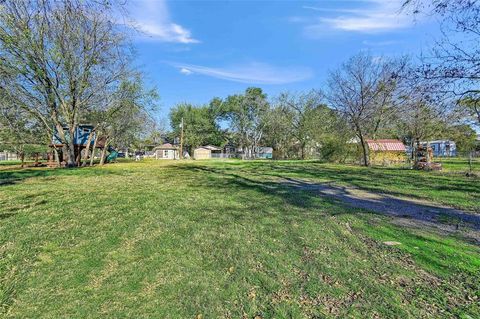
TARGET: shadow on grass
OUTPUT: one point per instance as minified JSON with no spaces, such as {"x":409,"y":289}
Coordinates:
{"x":16,"y":175}
{"x":305,"y":194}
{"x":395,"y":181}
{"x":220,"y":178}
{"x":6,"y":215}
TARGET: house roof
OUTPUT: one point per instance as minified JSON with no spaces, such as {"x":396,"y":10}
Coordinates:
{"x":386,"y":145}
{"x":210,"y":148}
{"x":166,"y":146}
{"x":438,"y":142}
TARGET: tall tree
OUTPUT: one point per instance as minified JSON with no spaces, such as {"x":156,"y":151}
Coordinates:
{"x":121,"y":124}
{"x":199,"y":125}
{"x":362,"y":91}
{"x":278,"y":133}
{"x":245,"y":114}
{"x":63,"y":58}
{"x":303,"y":111}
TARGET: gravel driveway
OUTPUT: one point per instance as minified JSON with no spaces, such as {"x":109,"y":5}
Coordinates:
{"x":408,"y":211}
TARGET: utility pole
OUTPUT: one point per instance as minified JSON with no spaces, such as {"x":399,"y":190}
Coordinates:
{"x":181,"y":140}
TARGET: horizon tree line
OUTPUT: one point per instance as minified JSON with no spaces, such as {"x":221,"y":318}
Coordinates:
{"x":64,"y":63}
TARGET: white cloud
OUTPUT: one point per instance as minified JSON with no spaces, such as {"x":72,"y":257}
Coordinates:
{"x":185,"y":71}
{"x":152,"y":18}
{"x":254,"y":73}
{"x":372,"y":16}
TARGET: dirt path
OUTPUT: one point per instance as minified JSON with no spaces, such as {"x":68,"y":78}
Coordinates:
{"x":407,"y":211}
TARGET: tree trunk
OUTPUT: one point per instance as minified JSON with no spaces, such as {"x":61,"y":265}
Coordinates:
{"x":71,"y":161}
{"x":104,"y":152}
{"x":415,"y":159}
{"x":366,"y":161}
{"x":92,"y":156}
{"x":87,"y":148}
{"x":412,"y":148}
{"x":470,"y":155}
{"x":56,"y":155}
{"x":22,"y":158}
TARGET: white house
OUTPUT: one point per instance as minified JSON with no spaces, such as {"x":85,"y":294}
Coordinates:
{"x":442,"y":148}
{"x":166,"y":151}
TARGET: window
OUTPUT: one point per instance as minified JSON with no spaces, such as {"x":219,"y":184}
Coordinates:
{"x":165,"y":153}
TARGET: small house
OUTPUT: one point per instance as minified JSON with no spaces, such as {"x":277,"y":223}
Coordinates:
{"x":167,"y":151}
{"x":442,"y":148}
{"x":386,"y":151}
{"x":207,"y":152}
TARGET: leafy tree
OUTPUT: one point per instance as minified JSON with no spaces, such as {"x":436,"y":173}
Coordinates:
{"x":121,"y":124}
{"x":464,"y":136}
{"x":19,"y":132}
{"x":60,"y":60}
{"x":199,"y":125}
{"x":246,"y":115}
{"x":303,"y":112}
{"x":278,"y":133}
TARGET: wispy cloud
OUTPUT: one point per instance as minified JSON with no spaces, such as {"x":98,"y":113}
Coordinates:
{"x":380,"y":43}
{"x":367,"y":16}
{"x":254,"y":73}
{"x":321,"y":9}
{"x":152,"y":18}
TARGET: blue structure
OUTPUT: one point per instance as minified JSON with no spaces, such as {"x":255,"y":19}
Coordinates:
{"x":442,"y":148}
{"x":81,"y":135}
{"x":80,"y":141}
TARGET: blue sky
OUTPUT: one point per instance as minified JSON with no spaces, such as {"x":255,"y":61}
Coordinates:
{"x":195,"y":50}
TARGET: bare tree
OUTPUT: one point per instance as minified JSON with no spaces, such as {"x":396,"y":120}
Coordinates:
{"x":454,"y":61}
{"x":64,"y":59}
{"x":362,"y":90}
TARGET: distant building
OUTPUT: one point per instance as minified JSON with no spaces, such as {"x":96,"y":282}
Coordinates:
{"x":258,"y":152}
{"x":442,"y":148}
{"x":8,"y":156}
{"x":166,"y":151}
{"x":386,"y":151}
{"x":263,"y":152}
{"x":207,"y":152}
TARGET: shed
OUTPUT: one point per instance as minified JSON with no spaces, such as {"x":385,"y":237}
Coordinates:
{"x":207,"y":152}
{"x":166,"y":151}
{"x":386,"y":151}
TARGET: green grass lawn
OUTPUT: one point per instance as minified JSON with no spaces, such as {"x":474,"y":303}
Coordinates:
{"x":213,"y":239}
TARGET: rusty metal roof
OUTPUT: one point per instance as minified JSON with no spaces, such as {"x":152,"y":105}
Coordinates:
{"x":386,"y":145}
